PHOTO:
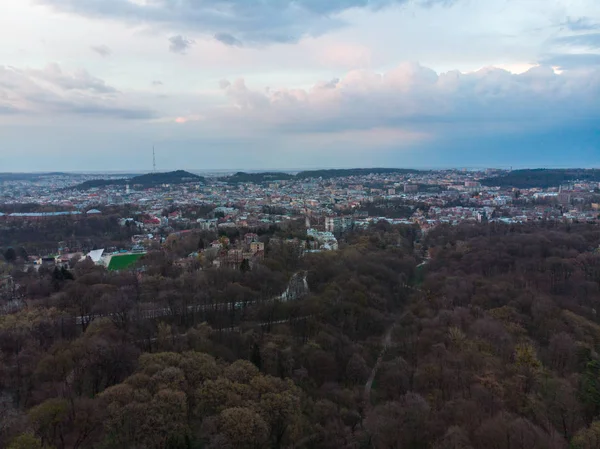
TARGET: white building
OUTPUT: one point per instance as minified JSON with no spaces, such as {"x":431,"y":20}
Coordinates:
{"x":326,"y":240}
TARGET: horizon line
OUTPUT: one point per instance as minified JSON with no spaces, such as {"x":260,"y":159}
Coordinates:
{"x":297,"y":170}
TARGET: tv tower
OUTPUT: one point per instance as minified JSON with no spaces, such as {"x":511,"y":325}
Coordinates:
{"x":153,"y":160}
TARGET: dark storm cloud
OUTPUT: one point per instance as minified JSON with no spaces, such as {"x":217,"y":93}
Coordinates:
{"x":249,"y":21}
{"x":180,"y":44}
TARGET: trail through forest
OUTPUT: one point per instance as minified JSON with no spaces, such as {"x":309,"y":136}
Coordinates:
{"x":387,"y":339}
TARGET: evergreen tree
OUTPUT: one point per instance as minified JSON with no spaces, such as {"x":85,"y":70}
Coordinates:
{"x":10,"y":255}
{"x":255,"y":357}
{"x":245,"y":266}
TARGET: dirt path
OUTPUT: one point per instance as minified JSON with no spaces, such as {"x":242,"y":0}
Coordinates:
{"x":387,"y":339}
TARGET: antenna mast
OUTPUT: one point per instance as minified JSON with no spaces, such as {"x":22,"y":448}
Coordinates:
{"x":153,"y":160}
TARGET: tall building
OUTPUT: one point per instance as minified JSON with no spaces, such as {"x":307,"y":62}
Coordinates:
{"x":330,"y":224}
{"x":338,"y":224}
{"x":564,"y":198}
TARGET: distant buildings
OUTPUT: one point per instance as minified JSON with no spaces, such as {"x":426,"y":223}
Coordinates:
{"x":434,"y":197}
{"x":39,"y":215}
{"x":256,"y":247}
{"x":326,"y":240}
{"x":338,"y":224}
{"x":207,"y":224}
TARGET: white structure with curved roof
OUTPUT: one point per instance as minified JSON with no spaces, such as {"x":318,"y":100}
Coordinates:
{"x":96,"y":255}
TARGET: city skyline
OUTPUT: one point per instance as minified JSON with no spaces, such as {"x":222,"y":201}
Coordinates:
{"x":216,"y":85}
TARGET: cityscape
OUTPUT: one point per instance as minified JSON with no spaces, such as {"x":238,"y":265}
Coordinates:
{"x":328,"y":203}
{"x":299,"y":224}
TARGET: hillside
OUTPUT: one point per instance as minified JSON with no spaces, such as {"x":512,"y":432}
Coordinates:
{"x":97,"y":183}
{"x":147,"y":180}
{"x":492,"y":343}
{"x":174,"y":177}
{"x":542,"y":178}
{"x":257,"y":178}
{"x":338,"y":173}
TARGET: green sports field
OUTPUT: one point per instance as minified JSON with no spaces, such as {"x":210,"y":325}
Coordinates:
{"x":121,"y":262}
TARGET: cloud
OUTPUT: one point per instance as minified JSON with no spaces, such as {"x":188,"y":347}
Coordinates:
{"x":6,"y":109}
{"x":573,"y":61}
{"x":581,"y":24}
{"x":416,"y":99}
{"x":330,"y":84}
{"x":80,"y":80}
{"x":180,"y":44}
{"x":578,"y":50}
{"x":590,"y":40}
{"x":228,"y":39}
{"x":253,"y":22}
{"x":102,"y":50}
{"x":189,"y":118}
{"x":244,"y":98}
{"x":123,"y":112}
{"x":52,"y":91}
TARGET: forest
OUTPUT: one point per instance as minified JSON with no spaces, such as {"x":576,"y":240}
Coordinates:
{"x":83,"y":233}
{"x":257,"y":178}
{"x":145,"y":181}
{"x":542,"y":178}
{"x":263,"y":177}
{"x":467,"y":337}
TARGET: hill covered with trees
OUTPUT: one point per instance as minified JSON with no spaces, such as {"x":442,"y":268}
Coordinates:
{"x":542,"y":178}
{"x":262,"y":177}
{"x":145,"y":181}
{"x":258,"y":178}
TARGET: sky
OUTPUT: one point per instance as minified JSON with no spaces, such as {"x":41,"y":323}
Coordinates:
{"x":93,"y":85}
